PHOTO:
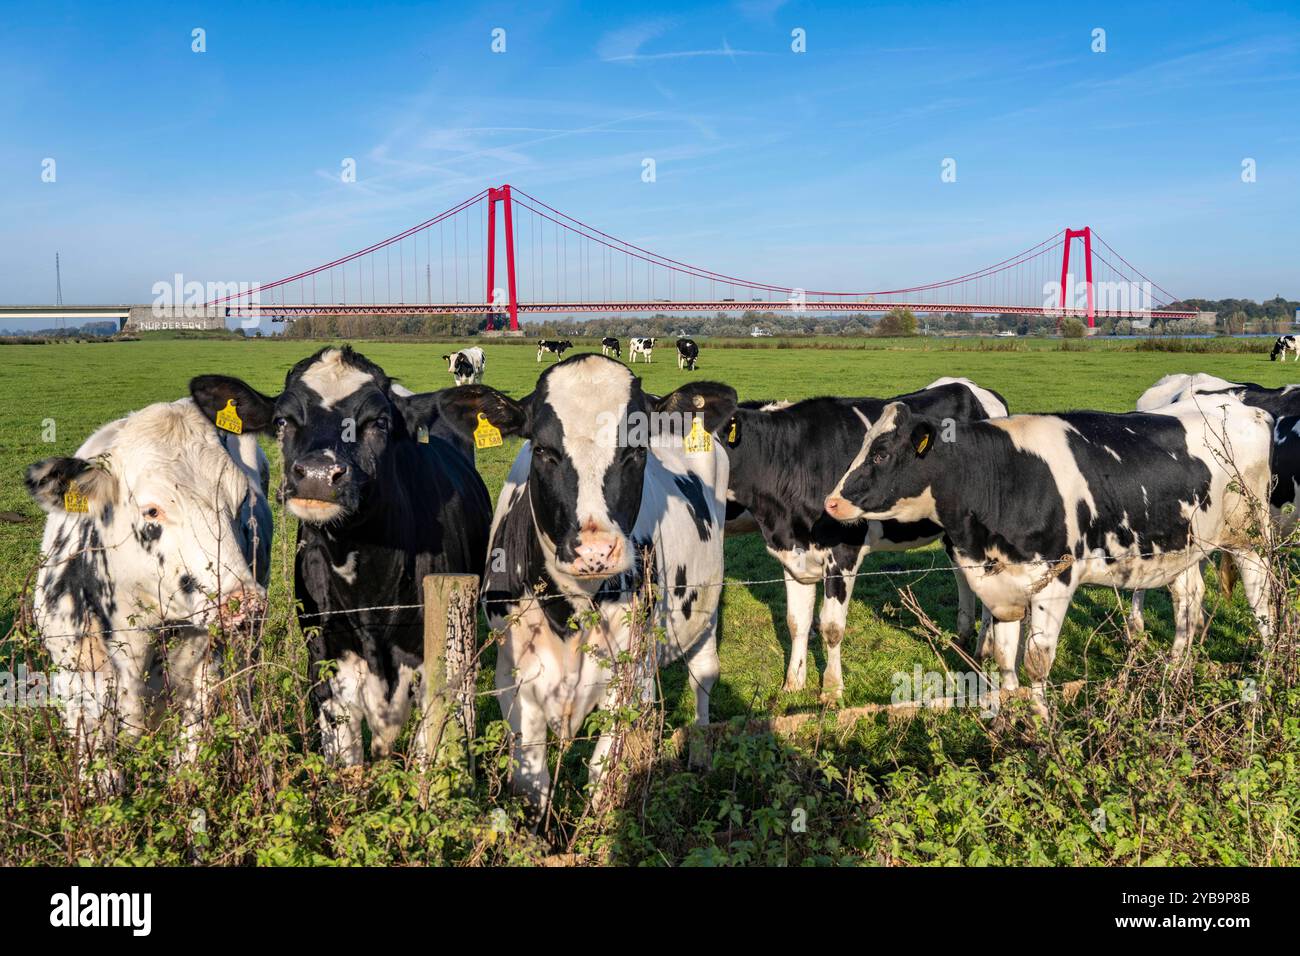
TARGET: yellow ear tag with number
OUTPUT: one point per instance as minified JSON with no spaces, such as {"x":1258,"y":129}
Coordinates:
{"x":229,"y":419}
{"x":698,"y":440}
{"x":486,"y":435}
{"x":422,"y":435}
{"x":731,"y":435}
{"x":923,"y":444}
{"x":74,"y":500}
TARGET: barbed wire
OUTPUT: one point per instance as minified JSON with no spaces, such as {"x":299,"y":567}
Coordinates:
{"x":670,"y":591}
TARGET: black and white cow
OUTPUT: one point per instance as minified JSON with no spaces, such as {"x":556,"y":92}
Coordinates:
{"x":642,"y":347}
{"x":1284,"y":344}
{"x":1283,"y":404}
{"x":556,"y":348}
{"x":687,"y":352}
{"x":603,"y":476}
{"x":609,"y":346}
{"x":158,"y":528}
{"x":1036,"y":505}
{"x":378,"y":510}
{"x":785,"y":459}
{"x":466,"y":365}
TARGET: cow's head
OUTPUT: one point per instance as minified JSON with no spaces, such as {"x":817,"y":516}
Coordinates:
{"x":893,"y":472}
{"x":338,"y":421}
{"x":172,"y":509}
{"x":590,"y":425}
{"x":1278,"y":348}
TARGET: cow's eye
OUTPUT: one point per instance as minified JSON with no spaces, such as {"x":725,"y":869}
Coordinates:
{"x":880,"y":457}
{"x":547,"y":455}
{"x":382,"y":423}
{"x":152,"y":513}
{"x":280,"y":421}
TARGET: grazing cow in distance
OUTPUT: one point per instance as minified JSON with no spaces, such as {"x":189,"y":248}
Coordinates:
{"x":642,"y":347}
{"x":467,"y":365}
{"x":554,"y":347}
{"x":1036,"y":505}
{"x":785,"y":460}
{"x":158,"y":529}
{"x":378,"y":510}
{"x":604,"y":476}
{"x":687,"y":353}
{"x":1284,"y":344}
{"x":609,"y":346}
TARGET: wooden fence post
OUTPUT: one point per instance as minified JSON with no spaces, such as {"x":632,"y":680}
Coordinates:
{"x":450,"y":663}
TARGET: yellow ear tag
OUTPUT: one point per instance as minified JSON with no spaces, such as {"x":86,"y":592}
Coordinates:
{"x":698,"y":440}
{"x":923,"y":445}
{"x":229,"y":419}
{"x":486,"y":435}
{"x":422,"y":435}
{"x":74,"y":500}
{"x":731,"y":435}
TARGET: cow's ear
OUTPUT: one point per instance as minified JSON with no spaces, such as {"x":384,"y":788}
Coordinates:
{"x":220,"y":394}
{"x":461,"y":407}
{"x":922,"y":438}
{"x":72,"y":485}
{"x":712,"y":400}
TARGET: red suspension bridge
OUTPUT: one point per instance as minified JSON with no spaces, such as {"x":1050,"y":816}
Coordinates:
{"x":555,"y":263}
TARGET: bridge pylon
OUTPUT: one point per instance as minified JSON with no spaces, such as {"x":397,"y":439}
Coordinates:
{"x":1086,"y":234}
{"x":501,"y":194}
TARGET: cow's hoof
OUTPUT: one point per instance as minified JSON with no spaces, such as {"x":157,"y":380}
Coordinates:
{"x":793,"y":685}
{"x":830,"y":696}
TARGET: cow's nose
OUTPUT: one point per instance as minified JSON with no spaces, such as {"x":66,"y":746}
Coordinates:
{"x":836,"y":506}
{"x":318,"y":476}
{"x":597,"y":551}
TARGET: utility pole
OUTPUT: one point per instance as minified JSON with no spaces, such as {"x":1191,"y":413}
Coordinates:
{"x":58,"y":288}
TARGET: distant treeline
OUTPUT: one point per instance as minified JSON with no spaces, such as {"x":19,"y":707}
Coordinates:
{"x":1234,"y":315}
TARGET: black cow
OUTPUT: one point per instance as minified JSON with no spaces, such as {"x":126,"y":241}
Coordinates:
{"x":556,"y":348}
{"x":687,"y":353}
{"x":785,"y":459}
{"x":380,"y":506}
{"x":609,"y":345}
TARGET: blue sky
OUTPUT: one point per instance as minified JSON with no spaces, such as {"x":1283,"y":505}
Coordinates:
{"x":819,"y":169}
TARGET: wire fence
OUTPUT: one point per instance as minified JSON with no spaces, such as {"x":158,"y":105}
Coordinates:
{"x":1053,"y":565}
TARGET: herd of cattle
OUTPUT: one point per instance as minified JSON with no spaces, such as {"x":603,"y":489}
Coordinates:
{"x":160,"y":527}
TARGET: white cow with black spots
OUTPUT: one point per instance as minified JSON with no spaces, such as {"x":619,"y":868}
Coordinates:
{"x":158,"y":530}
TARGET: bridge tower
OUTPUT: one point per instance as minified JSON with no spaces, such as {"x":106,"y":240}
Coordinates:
{"x":1086,"y":235}
{"x":502,"y":195}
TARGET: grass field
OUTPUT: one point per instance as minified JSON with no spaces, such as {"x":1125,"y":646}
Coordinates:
{"x":79,"y":387}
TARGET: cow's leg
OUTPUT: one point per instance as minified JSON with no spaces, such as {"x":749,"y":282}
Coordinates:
{"x":966,"y":604}
{"x":83,"y":683}
{"x":340,"y":715}
{"x":1253,"y":571}
{"x":131,"y":656}
{"x":529,"y":776}
{"x":703,"y":667}
{"x":192,"y":674}
{"x":1006,"y":647}
{"x":1047,"y":614}
{"x":837,"y":590}
{"x":1187,"y":591}
{"x":1136,"y":622}
{"x":799,"y":602}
